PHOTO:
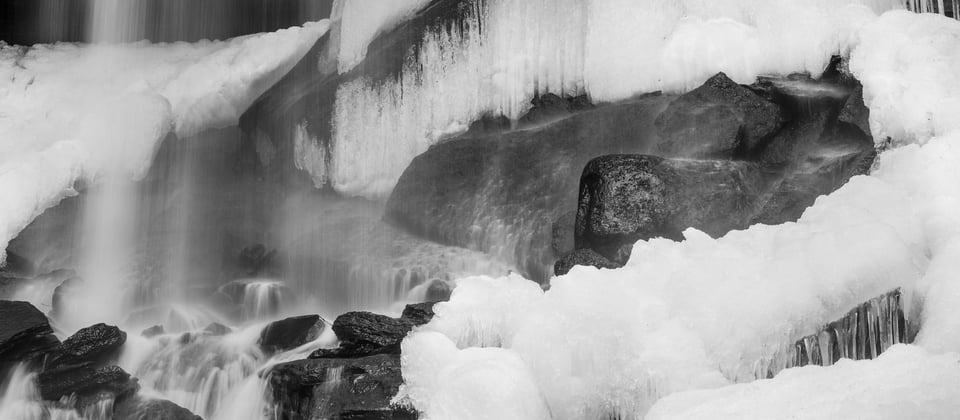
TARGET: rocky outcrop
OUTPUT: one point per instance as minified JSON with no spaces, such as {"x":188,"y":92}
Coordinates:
{"x":418,"y":313}
{"x":290,"y":333}
{"x":720,"y":119}
{"x":625,"y":198}
{"x":25,"y":335}
{"x":357,"y":388}
{"x":142,"y":408}
{"x":587,"y":257}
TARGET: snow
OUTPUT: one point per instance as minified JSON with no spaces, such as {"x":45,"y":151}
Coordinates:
{"x":361,"y":21}
{"x":608,"y":49}
{"x":707,"y":313}
{"x":906,"y":382}
{"x":75,"y":112}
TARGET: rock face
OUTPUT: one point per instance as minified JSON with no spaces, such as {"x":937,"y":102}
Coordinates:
{"x":582,"y":257}
{"x":359,"y":388}
{"x":140,"y":408}
{"x":25,"y":334}
{"x":291,"y":332}
{"x":624,"y":198}
{"x":719,"y":119}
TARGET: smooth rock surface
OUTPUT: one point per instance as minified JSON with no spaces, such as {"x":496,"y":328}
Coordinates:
{"x":25,"y":334}
{"x":290,"y":333}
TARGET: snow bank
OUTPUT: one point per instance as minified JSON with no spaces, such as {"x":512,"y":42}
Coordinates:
{"x":609,"y":49}
{"x":705,"y":313}
{"x":906,"y":382}
{"x":72,"y":112}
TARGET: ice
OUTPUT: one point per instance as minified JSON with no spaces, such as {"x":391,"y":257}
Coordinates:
{"x":74,"y":112}
{"x":362,"y":20}
{"x":906,"y":382}
{"x":706,"y":313}
{"x":510,"y":50}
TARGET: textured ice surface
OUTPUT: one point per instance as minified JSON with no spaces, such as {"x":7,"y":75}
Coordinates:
{"x":706,"y":313}
{"x":72,"y":112}
{"x":906,"y":382}
{"x":362,"y":20}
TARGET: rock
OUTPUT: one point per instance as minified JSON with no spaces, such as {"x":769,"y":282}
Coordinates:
{"x":60,"y":292}
{"x":855,"y":112}
{"x":95,"y":344}
{"x":143,"y":408}
{"x":563,"y":233}
{"x":488,"y":193}
{"x":582,"y":257}
{"x":546,"y":107}
{"x":153,"y":331}
{"x":359,"y":388}
{"x":217,"y":329}
{"x":489,"y":124}
{"x":25,"y":334}
{"x":367,"y":327}
{"x":291,"y":333}
{"x":625,"y":198}
{"x":418,"y":313}
{"x":255,"y":259}
{"x":85,"y":380}
{"x":438,"y":291}
{"x":719,"y":119}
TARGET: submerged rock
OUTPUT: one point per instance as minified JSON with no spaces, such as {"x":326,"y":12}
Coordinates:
{"x":291,"y":333}
{"x":438,"y":290}
{"x":153,"y":331}
{"x":95,"y":344}
{"x":25,"y":334}
{"x":142,"y":408}
{"x":582,"y":257}
{"x":719,"y":119}
{"x":358,"y":388}
{"x":217,"y":329}
{"x":625,"y":198}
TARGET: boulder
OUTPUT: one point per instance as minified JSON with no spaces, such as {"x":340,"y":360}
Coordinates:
{"x":84,"y":381}
{"x":367,"y":327}
{"x":418,"y":313}
{"x":142,"y":408}
{"x":438,"y":291}
{"x":625,"y":198}
{"x":153,"y":331}
{"x":582,"y":257}
{"x":291,"y":333}
{"x":95,"y":344}
{"x":25,"y":334}
{"x":719,"y":119}
{"x":359,"y":388}
{"x":855,"y":112}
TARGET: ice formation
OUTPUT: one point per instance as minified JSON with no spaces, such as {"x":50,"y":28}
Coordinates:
{"x":705,"y":313}
{"x":608,"y":49}
{"x":363,"y":20}
{"x":67,"y":117}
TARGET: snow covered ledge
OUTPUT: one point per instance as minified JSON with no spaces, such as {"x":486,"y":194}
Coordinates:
{"x":73,"y":112}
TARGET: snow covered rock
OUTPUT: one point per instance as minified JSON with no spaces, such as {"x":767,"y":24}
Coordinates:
{"x":719,"y":119}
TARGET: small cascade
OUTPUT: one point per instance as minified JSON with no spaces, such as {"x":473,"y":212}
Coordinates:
{"x":863,"y":333}
{"x":257,"y":299}
{"x":21,"y":401}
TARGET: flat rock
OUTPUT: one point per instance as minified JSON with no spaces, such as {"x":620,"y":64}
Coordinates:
{"x":85,"y":380}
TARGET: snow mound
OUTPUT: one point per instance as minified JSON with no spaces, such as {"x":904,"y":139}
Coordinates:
{"x":906,"y":382}
{"x":706,"y":313}
{"x":74,"y":112}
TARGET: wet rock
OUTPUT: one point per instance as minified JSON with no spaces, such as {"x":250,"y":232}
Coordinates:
{"x":142,"y":408}
{"x":85,"y":380}
{"x":363,"y":334}
{"x":855,"y":112}
{"x":359,"y":388}
{"x":587,"y":257}
{"x":548,"y":107}
{"x":68,"y":286}
{"x":291,"y":332}
{"x":438,"y":291}
{"x":217,"y":329}
{"x":25,"y":334}
{"x":256,"y":259}
{"x":719,"y":119}
{"x":95,"y":344}
{"x":418,"y":313}
{"x":563,"y":233}
{"x":153,"y":331}
{"x":489,"y":124}
{"x":625,"y":198}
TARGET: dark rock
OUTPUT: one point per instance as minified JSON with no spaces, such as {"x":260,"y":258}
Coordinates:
{"x":217,"y":329}
{"x":85,"y":380}
{"x":625,"y":198}
{"x":367,"y":327}
{"x":25,"y":334}
{"x":438,"y":291}
{"x":545,"y":108}
{"x":473,"y":191}
{"x":489,"y":124}
{"x":418,"y":313}
{"x":359,"y":388}
{"x":582,"y":257}
{"x":153,"y":331}
{"x":95,"y":344}
{"x":68,"y":286}
{"x":142,"y":408}
{"x":855,"y":112}
{"x":255,"y":259}
{"x":291,"y":332}
{"x":563,"y":233}
{"x":719,"y":119}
